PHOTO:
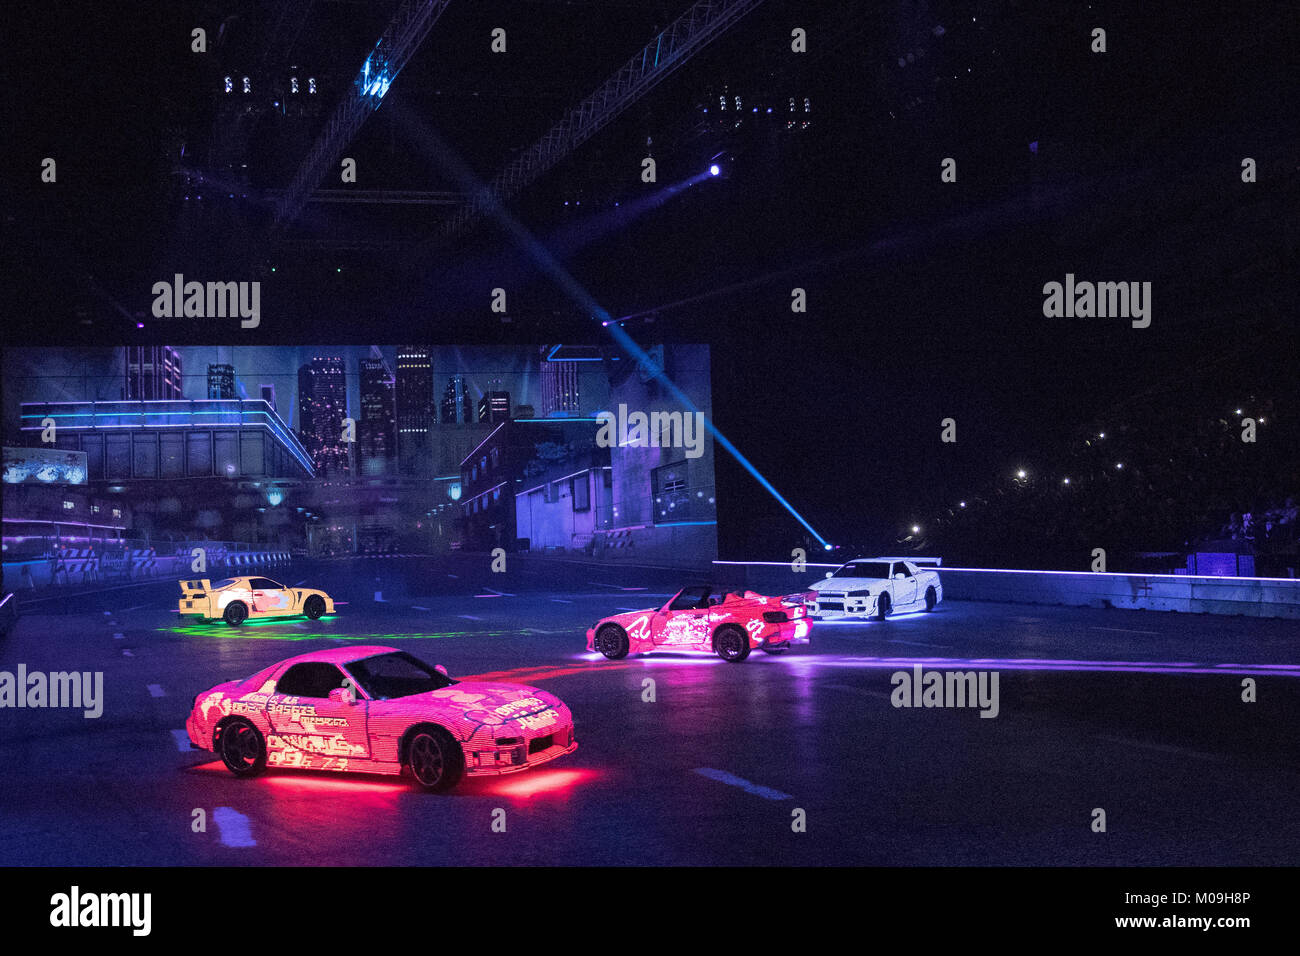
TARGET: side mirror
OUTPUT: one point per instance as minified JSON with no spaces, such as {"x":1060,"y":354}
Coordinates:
{"x":899,"y":576}
{"x":441,"y":670}
{"x":343,"y":695}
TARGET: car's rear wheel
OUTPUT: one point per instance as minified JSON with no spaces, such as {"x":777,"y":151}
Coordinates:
{"x":882,"y":607}
{"x":314,"y":607}
{"x":611,"y":640}
{"x":437,"y":763}
{"x":931,"y":599}
{"x":236,"y":613}
{"x":242,"y":748}
{"x":731,"y":643}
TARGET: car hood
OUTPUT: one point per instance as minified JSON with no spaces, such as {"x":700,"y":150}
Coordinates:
{"x":487,"y":702}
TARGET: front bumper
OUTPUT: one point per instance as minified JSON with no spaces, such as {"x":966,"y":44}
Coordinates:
{"x":833,"y":607}
{"x":495,"y":761}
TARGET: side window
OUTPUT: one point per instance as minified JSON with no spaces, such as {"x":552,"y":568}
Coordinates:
{"x":691,"y":599}
{"x":310,"y":679}
{"x":265,"y":584}
{"x":901,"y":568}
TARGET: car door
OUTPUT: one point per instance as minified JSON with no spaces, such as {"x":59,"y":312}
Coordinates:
{"x":312,"y":725}
{"x":687,"y":619}
{"x":270,"y":597}
{"x":903,"y":589}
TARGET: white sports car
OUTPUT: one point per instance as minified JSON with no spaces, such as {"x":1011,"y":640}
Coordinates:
{"x":874,"y":587}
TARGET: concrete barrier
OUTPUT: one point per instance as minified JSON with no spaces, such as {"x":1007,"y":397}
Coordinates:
{"x":1195,"y":594}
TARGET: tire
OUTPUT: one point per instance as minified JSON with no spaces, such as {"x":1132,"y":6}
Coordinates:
{"x":435,"y":759}
{"x":611,"y":640}
{"x":776,"y":648}
{"x":314,"y":607}
{"x":731,"y":643}
{"x":882,"y":607}
{"x":236,"y":613}
{"x":242,"y":747}
{"x":930,"y":599}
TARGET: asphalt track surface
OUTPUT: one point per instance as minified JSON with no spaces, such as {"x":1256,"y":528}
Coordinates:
{"x":1139,"y":714}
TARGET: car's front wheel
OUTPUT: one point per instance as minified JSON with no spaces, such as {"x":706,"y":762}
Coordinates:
{"x":611,"y":640}
{"x":236,"y":613}
{"x":732,"y":644}
{"x":882,"y":607}
{"x":437,"y":763}
{"x":314,"y":607}
{"x":930,"y":599}
{"x":242,"y":748}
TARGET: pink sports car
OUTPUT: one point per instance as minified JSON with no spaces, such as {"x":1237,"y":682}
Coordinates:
{"x":700,"y":618}
{"x":378,"y":710}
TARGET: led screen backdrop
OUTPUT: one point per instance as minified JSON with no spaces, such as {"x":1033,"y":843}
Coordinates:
{"x":552,"y":449}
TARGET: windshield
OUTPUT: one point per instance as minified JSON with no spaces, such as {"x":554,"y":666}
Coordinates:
{"x":690,"y":599}
{"x":396,"y":674}
{"x":864,"y":569}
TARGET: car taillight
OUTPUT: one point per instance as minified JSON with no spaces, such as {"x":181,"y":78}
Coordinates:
{"x":775,"y":617}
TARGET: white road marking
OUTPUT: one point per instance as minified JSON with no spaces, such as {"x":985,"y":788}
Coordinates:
{"x":155,"y":690}
{"x":234,"y":827}
{"x":896,"y":640}
{"x":501,"y":593}
{"x":136,"y":608}
{"x":1125,"y":630}
{"x":301,"y":583}
{"x":182,"y":740}
{"x":126,"y":653}
{"x":561,"y":601}
{"x":469,"y":617}
{"x":118,"y":636}
{"x":757,"y":790}
{"x":614,"y":586}
{"x":416,"y":607}
{"x":1162,"y":748}
{"x":450,"y":575}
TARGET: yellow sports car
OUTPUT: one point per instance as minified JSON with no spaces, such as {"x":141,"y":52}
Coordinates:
{"x":235,"y":600}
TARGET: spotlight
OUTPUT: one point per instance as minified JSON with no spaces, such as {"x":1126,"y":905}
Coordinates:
{"x":916,"y":529}
{"x":714,"y":169}
{"x":962,"y":504}
{"x":1065,"y":481}
{"x":1020,"y":473}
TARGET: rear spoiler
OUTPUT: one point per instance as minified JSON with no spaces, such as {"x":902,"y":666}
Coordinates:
{"x":201,"y":586}
{"x":918,"y":561}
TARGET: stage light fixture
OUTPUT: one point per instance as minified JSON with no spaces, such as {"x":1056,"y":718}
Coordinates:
{"x":714,"y":169}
